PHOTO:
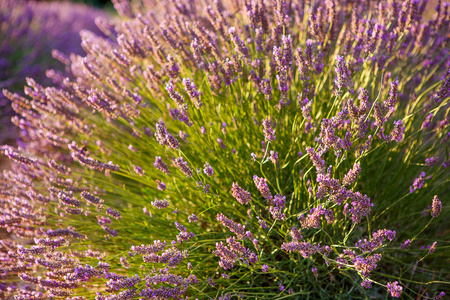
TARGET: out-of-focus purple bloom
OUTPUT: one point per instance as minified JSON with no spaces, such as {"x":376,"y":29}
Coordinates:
{"x":436,"y":207}
{"x":405,"y":244}
{"x":269,"y":133}
{"x":418,"y":183}
{"x":395,"y":289}
{"x":343,"y":76}
{"x":431,"y":161}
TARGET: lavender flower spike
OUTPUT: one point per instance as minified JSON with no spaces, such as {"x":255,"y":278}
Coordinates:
{"x":394,"y":289}
{"x":209,"y":171}
{"x":192,"y":91}
{"x":343,"y":77}
{"x":182,"y":165}
{"x":418,"y":183}
{"x":261,"y":184}
{"x":436,"y":207}
{"x":241,"y":195}
{"x":269,"y":133}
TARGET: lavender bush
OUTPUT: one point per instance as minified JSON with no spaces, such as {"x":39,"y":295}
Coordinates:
{"x":242,"y":149}
{"x":29,"y":31}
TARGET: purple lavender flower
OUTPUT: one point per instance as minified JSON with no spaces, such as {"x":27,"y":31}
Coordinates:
{"x":192,"y":91}
{"x":240,"y":48}
{"x":396,"y":133}
{"x":160,"y":204}
{"x":192,"y":218}
{"x":208,"y":169}
{"x":436,"y":207}
{"x":394,"y":289}
{"x":432,"y":248}
{"x":234,"y":227}
{"x":261,"y":184}
{"x":182,"y":165}
{"x":351,"y":176}
{"x":366,"y":265}
{"x":418,"y":183}
{"x":160,"y":165}
{"x":366,"y":283}
{"x":269,"y":133}
{"x":160,"y":185}
{"x":405,"y":244}
{"x":343,"y":76}
{"x":221,"y":143}
{"x":431,"y":161}
{"x":273,"y":157}
{"x":427,"y":121}
{"x":241,"y":195}
{"x":262,"y":223}
{"x":176,"y":96}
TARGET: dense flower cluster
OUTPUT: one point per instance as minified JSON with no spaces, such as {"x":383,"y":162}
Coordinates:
{"x":280,"y":133}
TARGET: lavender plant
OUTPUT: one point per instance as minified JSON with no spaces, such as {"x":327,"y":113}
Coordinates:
{"x":241,"y":149}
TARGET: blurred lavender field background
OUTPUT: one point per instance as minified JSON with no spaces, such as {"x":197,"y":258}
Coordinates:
{"x":29,"y":31}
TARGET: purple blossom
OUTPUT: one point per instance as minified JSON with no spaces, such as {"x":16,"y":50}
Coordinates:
{"x":138,"y":170}
{"x":313,"y":218}
{"x":160,"y":165}
{"x":405,"y":244}
{"x":395,"y":289}
{"x":351,"y":176}
{"x":431,"y":161}
{"x":192,"y":218}
{"x":265,"y":268}
{"x":396,"y":133}
{"x":234,"y":227}
{"x":262,"y":223}
{"x":343,"y":76}
{"x":432,"y":248}
{"x":305,"y":249}
{"x":176,"y":96}
{"x":436,"y":207}
{"x":165,"y":138}
{"x":192,"y":91}
{"x":241,"y":195}
{"x":160,"y":204}
{"x":376,"y":241}
{"x":418,"y":183}
{"x":361,"y":207}
{"x":427,"y":121}
{"x":273,"y":157}
{"x":269,"y":133}
{"x":182,"y":165}
{"x":366,"y":283}
{"x":240,"y":48}
{"x":366,"y":265}
{"x":261,"y":184}
{"x":208,"y":170}
{"x":221,"y":143}
{"x":160,"y":185}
